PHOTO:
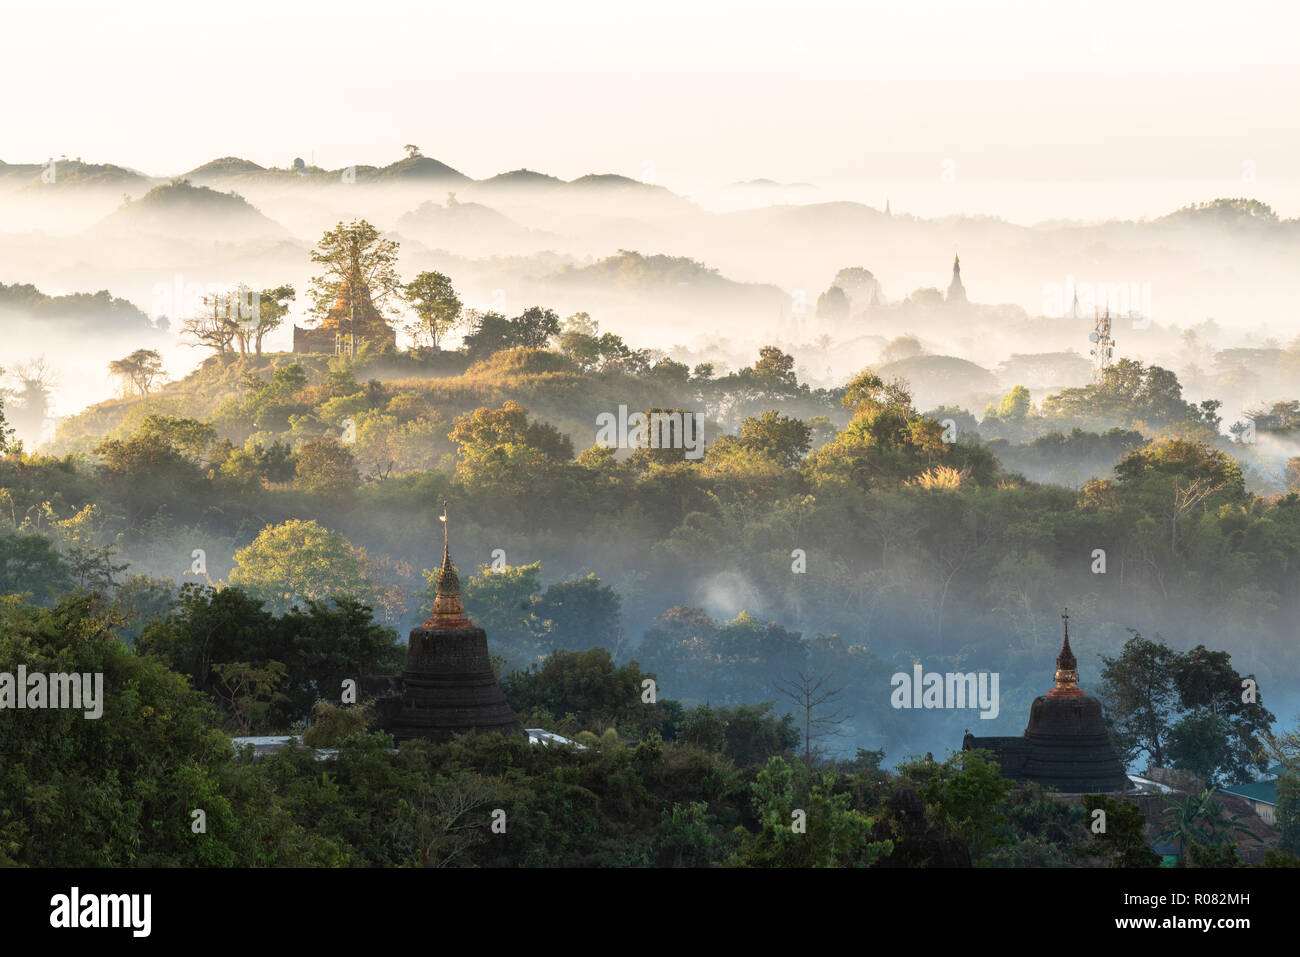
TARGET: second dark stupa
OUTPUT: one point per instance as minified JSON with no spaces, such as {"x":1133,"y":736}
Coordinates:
{"x":448,"y":686}
{"x":1065,"y":745}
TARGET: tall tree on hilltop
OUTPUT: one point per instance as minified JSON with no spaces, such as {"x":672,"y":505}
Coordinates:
{"x":437,"y":307}
{"x":139,"y":371}
{"x":272,"y":307}
{"x":217,"y":326}
{"x":354,"y":257}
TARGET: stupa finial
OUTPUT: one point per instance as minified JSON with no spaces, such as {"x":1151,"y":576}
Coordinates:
{"x":1067,"y":667}
{"x":448,"y":610}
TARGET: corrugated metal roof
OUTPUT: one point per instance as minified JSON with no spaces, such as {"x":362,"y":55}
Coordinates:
{"x":543,"y":737}
{"x":1263,"y":792}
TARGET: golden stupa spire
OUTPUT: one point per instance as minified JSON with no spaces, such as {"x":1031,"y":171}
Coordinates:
{"x":448,"y":610}
{"x":1067,"y":668}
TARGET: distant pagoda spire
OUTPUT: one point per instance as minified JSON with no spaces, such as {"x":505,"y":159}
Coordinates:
{"x":448,"y":610}
{"x":1067,"y":668}
{"x":956,"y":291}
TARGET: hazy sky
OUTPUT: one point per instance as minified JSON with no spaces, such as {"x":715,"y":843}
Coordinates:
{"x":1147,"y":102}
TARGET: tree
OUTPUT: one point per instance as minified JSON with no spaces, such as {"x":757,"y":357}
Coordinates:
{"x":139,"y":371}
{"x":272,"y":308}
{"x":1130,"y":393}
{"x":811,"y":697}
{"x":437,"y":307}
{"x":92,"y":568}
{"x":217,"y":326}
{"x":319,"y":644}
{"x":902,"y":347}
{"x":1218,"y":734}
{"x":326,"y":641}
{"x":1198,"y":821}
{"x":1292,"y":471}
{"x":1013,"y":407}
{"x":32,"y":409}
{"x":158,"y":467}
{"x":1139,"y":692}
{"x":834,"y":833}
{"x":116,"y":791}
{"x":886,"y":440}
{"x":412,"y":151}
{"x":443,"y":819}
{"x":188,"y":437}
{"x":591,"y":688}
{"x":1123,"y":841}
{"x":1173,"y":477}
{"x":354,"y":258}
{"x":780,"y":437}
{"x":249,"y":692}
{"x":535,"y":327}
{"x":966,"y":795}
{"x":299,"y":561}
{"x":5,"y":432}
{"x":688,"y":836}
{"x":580,"y":340}
{"x":775,"y":369}
{"x":327,"y":468}
{"x":583,"y":613}
{"x":30,"y":565}
{"x":748,"y":733}
{"x":704,"y":728}
{"x":210,"y":625}
{"x":1183,"y":710}
{"x":858,"y":284}
{"x":503,"y":601}
{"x":502,"y":448}
{"x":833,"y":304}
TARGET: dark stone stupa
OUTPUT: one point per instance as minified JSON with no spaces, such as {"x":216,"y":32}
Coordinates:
{"x":448,"y":686}
{"x":1065,"y":745}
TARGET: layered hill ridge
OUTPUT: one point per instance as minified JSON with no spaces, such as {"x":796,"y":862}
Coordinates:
{"x":472,"y":229}
{"x":182,"y":209}
{"x":64,"y":175}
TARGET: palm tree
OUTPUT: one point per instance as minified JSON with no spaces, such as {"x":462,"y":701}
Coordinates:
{"x":1199,"y":820}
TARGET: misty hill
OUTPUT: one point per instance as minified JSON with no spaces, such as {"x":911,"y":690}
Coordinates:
{"x":671,"y":277}
{"x":416,"y":169}
{"x":943,"y":380}
{"x":100,"y":308}
{"x":1231,"y":214}
{"x":624,"y":196}
{"x":676,"y":295}
{"x":471,"y":229}
{"x":18,"y":175}
{"x":223,"y":168}
{"x":182,"y":209}
{"x":1045,"y":370}
{"x":519,"y":179}
{"x":74,"y":174}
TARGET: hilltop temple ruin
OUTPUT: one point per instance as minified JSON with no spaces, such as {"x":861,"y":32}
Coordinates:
{"x":335,"y":332}
{"x":1065,"y":745}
